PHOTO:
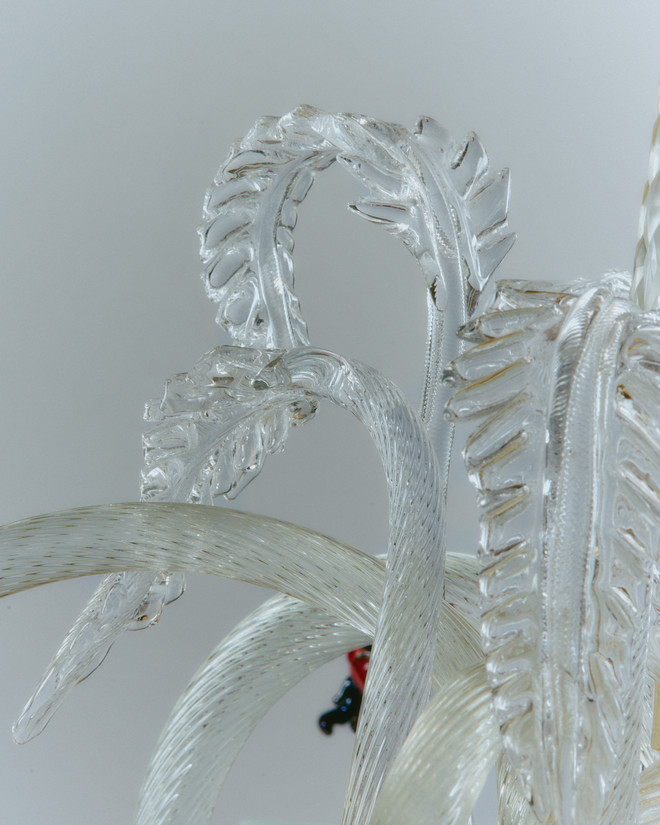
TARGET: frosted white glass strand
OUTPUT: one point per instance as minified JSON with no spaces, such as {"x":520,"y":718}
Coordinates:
{"x":645,"y":288}
{"x":559,"y":385}
{"x":266,"y":655}
{"x":278,"y":644}
{"x":424,"y":785}
{"x":337,"y":579}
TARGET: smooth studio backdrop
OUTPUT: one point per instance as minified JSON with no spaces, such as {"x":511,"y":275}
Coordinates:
{"x":114,"y":117}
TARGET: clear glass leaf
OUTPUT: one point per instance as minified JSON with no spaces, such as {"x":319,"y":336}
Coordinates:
{"x":566,"y":466}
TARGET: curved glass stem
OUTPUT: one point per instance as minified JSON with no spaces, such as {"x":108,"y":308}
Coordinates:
{"x":399,"y":680}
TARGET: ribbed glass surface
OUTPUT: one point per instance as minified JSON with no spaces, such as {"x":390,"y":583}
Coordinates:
{"x":558,"y":385}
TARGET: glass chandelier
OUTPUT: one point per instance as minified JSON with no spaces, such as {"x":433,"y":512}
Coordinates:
{"x":539,"y":656}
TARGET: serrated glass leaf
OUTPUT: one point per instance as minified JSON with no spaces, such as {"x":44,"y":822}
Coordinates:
{"x":564,"y":612}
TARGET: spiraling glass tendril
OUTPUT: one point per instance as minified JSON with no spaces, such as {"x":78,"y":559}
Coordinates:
{"x":336,"y":578}
{"x":213,"y":718}
{"x":399,"y":680}
{"x":562,"y":385}
{"x":330,"y":576}
{"x":440,"y":198}
{"x":444,"y":762}
{"x":268,"y":653}
{"x":645,"y":289}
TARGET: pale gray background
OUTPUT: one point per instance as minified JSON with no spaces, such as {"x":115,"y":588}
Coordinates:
{"x":115,"y":116}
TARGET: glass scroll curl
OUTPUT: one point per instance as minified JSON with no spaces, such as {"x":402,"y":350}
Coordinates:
{"x":560,"y":384}
{"x":440,"y":198}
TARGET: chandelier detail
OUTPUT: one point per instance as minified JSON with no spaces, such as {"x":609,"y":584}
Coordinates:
{"x":540,"y":655}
